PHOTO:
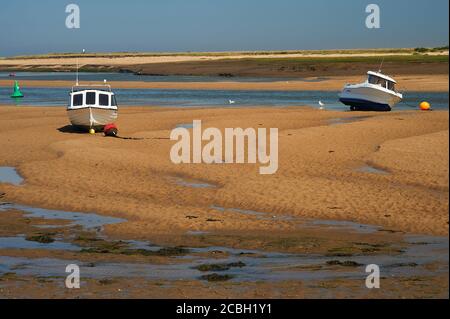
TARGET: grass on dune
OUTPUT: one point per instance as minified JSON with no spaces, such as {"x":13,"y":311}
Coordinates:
{"x":357,"y":59}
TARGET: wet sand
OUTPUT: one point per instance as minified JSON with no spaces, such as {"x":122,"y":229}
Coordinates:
{"x":120,"y":288}
{"x":319,"y":172}
{"x":320,"y":259}
{"x":416,"y":83}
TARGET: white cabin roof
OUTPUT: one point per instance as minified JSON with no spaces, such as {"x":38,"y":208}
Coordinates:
{"x":92,"y":87}
{"x":380,"y":75}
{"x":75,"y":91}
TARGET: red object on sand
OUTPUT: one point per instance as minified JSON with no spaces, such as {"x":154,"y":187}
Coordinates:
{"x":110,"y":130}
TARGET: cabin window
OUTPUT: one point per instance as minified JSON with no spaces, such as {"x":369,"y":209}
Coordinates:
{"x":78,"y":99}
{"x":373,"y":79}
{"x":103,"y":99}
{"x":90,"y":98}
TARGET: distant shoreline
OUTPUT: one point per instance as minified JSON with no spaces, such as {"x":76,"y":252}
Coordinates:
{"x":281,"y":64}
{"x":436,"y":50}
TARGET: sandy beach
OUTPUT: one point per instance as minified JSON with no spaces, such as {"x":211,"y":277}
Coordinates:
{"x":351,"y":189}
{"x":320,"y":172}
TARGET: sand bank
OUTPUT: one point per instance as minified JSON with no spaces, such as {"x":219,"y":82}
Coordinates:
{"x":418,"y":83}
{"x":319,"y":172}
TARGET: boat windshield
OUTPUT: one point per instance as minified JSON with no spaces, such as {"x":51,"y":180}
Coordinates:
{"x":376,"y":80}
{"x":113,"y":100}
{"x":391,"y":86}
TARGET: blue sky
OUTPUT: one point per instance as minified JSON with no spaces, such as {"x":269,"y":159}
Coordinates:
{"x":30,"y":26}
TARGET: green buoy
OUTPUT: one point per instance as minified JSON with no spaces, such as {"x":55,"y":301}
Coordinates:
{"x":16,"y":92}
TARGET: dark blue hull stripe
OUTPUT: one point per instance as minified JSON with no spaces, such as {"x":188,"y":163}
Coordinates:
{"x":358,"y":104}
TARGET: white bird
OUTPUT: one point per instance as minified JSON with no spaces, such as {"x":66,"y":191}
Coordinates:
{"x":321,"y":105}
{"x":231,"y":101}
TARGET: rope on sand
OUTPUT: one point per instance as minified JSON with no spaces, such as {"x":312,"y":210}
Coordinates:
{"x":410,"y":105}
{"x":111,"y":130}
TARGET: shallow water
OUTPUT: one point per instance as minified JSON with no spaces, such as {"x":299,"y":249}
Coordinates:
{"x":259,"y":265}
{"x":9,"y":175}
{"x":269,"y":267}
{"x":213,"y":98}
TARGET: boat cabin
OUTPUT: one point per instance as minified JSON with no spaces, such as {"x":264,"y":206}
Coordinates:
{"x":381,"y":80}
{"x":91,"y":97}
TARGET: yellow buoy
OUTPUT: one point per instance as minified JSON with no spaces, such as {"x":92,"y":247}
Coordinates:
{"x":91,"y":131}
{"x":425,"y":106}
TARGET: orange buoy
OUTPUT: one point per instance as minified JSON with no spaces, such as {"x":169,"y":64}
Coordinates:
{"x":425,"y":106}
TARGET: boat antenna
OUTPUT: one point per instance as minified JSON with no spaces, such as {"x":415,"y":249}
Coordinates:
{"x":77,"y":72}
{"x":381,"y":65}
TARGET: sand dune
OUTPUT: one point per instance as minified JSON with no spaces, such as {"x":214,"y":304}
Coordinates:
{"x":170,"y":58}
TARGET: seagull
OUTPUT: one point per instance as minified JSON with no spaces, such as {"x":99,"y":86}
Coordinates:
{"x":231,"y":101}
{"x":321,"y":105}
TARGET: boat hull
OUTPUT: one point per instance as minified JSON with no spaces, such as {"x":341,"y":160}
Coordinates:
{"x":366,"y":98}
{"x":91,"y":117}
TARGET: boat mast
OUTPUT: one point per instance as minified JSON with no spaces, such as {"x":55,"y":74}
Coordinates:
{"x":84,"y":51}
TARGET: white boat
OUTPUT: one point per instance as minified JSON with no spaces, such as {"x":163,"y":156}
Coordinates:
{"x":377,"y":93}
{"x":92,"y":106}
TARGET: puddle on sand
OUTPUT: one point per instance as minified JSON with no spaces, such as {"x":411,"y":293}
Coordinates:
{"x":342,"y":224}
{"x":19,"y":242}
{"x":9,"y":175}
{"x":196,"y":233}
{"x":85,"y":220}
{"x":193,"y":183}
{"x":372,"y":170}
{"x":185,"y":125}
{"x":304,"y":222}
{"x":258,"y":215}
